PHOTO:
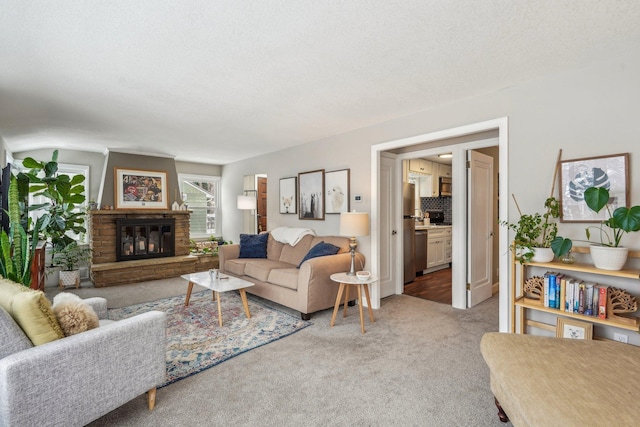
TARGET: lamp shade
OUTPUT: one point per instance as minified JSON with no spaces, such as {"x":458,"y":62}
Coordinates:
{"x":354,"y":224}
{"x":246,"y":202}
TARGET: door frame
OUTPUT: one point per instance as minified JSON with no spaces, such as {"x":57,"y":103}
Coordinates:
{"x":459,"y":204}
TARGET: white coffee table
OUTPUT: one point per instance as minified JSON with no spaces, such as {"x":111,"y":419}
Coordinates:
{"x":345,"y":282}
{"x":223,"y":284}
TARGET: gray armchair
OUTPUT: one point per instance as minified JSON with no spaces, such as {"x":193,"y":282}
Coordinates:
{"x":77,"y":379}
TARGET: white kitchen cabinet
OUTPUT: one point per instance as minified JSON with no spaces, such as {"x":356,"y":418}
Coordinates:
{"x":420,"y":166}
{"x":437,"y":253}
{"x":425,"y":186}
{"x":435,"y":181}
{"x":444,"y":170}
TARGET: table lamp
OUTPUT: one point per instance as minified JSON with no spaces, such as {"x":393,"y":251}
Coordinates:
{"x":354,"y":224}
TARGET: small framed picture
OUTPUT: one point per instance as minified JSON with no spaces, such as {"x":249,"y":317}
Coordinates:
{"x":311,"y":195}
{"x":140,"y":189}
{"x":288,"y":192}
{"x":610,"y":172}
{"x":573,"y":329}
{"x":337,"y":191}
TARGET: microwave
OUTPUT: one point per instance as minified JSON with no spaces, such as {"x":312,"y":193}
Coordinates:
{"x":445,"y":186}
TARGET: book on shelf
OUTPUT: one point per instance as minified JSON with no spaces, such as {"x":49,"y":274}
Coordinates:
{"x":581,"y":296}
{"x":602,"y":301}
{"x":568,"y":307}
{"x":588,"y":300}
{"x":563,"y":293}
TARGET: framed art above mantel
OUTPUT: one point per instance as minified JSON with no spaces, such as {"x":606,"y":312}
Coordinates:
{"x":140,"y":189}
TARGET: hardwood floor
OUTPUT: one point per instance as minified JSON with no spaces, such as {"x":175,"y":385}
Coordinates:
{"x":433,"y":287}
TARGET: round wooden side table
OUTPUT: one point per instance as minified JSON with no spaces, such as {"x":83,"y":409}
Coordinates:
{"x":345,"y":282}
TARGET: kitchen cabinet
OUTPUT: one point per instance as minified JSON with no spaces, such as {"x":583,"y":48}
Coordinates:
{"x":437,"y":246}
{"x":444,"y":170}
{"x":420,"y":166}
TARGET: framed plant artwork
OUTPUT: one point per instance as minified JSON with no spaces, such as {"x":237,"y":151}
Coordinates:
{"x":140,"y":189}
{"x":610,"y":172}
{"x":311,"y":195}
{"x":288,"y":193}
{"x":574,"y":329}
{"x":337,"y":191}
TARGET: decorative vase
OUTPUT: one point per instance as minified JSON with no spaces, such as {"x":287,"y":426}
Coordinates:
{"x":568,"y":258}
{"x":69,"y":278}
{"x":608,"y":258}
{"x":542,"y":255}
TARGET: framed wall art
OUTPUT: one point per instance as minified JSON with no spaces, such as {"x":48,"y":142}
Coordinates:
{"x":610,"y":172}
{"x":140,"y":189}
{"x":337,"y":191}
{"x":311,"y":195}
{"x":574,"y":329}
{"x":288,"y":193}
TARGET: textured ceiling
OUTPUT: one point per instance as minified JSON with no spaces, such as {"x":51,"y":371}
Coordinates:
{"x":219,"y":81}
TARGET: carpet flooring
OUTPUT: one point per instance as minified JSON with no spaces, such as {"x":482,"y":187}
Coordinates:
{"x":419,"y":364}
{"x":196,"y":342}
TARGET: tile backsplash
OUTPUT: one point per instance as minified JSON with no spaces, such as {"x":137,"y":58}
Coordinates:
{"x":437,"y":203}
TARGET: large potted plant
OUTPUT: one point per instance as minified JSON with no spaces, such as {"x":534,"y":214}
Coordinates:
{"x":69,"y":258}
{"x":17,"y":246}
{"x":609,"y":254}
{"x":63,"y":194}
{"x":535,"y":232}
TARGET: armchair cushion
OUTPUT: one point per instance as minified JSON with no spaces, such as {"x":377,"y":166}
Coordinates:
{"x":31,"y":310}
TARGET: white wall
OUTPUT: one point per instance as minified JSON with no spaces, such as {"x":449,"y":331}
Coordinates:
{"x":586,"y":112}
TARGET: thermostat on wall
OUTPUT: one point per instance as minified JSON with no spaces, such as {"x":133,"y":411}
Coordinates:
{"x":357,"y":198}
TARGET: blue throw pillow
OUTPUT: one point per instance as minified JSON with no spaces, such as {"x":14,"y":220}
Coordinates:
{"x":321,"y":249}
{"x":253,"y":245}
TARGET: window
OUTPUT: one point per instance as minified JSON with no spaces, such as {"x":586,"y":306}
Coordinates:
{"x":65,"y":169}
{"x":201,"y":193}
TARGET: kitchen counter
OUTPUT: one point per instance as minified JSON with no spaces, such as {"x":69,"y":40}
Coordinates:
{"x":431,"y":227}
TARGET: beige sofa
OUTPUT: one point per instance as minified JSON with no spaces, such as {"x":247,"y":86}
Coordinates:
{"x":542,"y":381}
{"x":306,"y":289}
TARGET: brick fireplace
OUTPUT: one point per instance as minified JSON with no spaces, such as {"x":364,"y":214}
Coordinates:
{"x":106,"y":270}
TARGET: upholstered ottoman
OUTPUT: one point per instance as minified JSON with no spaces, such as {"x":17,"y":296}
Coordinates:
{"x":540,"y":381}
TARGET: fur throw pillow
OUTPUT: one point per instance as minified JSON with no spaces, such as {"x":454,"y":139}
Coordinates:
{"x":73,"y":314}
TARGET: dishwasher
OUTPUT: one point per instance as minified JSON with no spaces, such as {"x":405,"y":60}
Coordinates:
{"x":420,"y":251}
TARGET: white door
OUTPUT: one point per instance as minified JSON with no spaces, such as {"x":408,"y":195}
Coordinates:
{"x":480,"y":226}
{"x":388,"y":235}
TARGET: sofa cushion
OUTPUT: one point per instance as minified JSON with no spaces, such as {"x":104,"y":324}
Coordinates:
{"x":321,"y":249}
{"x":236,"y":266}
{"x":260,"y":268}
{"x":294,"y":254}
{"x":73,"y":314}
{"x":285,"y":277}
{"x":31,"y":310}
{"x":11,"y":336}
{"x":274,"y":248}
{"x":253,"y":245}
{"x":339,"y":241}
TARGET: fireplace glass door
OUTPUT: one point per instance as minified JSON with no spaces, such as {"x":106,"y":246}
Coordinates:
{"x":144,"y":238}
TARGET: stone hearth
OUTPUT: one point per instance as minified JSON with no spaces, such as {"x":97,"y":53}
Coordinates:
{"x":105,"y":271}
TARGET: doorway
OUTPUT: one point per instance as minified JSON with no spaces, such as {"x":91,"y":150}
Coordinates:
{"x":458,"y":141}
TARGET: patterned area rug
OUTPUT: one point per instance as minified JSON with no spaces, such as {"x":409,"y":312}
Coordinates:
{"x":196,"y":342}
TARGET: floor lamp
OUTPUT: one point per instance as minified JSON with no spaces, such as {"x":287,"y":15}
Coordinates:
{"x":354,"y":224}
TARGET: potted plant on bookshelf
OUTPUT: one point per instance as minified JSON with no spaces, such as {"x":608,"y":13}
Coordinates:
{"x":609,"y":254}
{"x":69,"y":258}
{"x":535,"y":232}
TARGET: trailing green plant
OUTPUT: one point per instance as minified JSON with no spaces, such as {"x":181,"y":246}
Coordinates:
{"x":621,"y":220}
{"x":534,"y":230}
{"x":64,"y":194}
{"x":16,"y":247}
{"x":71,"y":256}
